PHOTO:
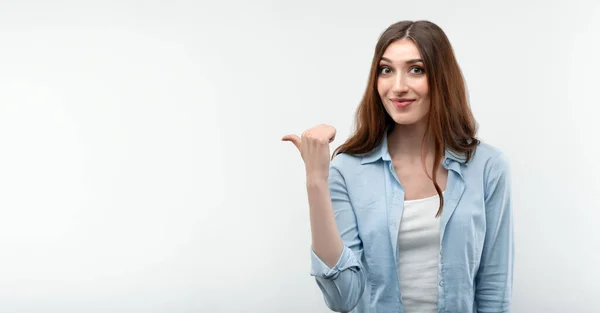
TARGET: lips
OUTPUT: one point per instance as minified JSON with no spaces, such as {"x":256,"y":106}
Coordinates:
{"x":402,"y":103}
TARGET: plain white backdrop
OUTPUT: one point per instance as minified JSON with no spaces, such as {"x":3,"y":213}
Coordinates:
{"x":141,"y":167}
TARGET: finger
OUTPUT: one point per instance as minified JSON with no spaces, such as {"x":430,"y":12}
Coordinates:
{"x":294,"y":139}
{"x":332,"y":135}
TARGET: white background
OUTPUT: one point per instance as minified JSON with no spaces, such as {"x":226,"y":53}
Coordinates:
{"x":141,"y":167}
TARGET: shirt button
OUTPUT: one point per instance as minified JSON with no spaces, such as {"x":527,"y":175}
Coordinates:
{"x":441,"y":283}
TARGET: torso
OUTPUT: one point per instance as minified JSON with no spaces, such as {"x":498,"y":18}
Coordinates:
{"x":373,"y":224}
{"x":418,"y":235}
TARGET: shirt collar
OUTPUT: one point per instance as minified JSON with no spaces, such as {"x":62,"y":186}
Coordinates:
{"x":381,"y":152}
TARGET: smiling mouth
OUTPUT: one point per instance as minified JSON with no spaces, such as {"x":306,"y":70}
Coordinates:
{"x":402,"y":103}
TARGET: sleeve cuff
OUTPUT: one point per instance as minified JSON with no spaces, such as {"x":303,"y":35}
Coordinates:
{"x":320,"y":269}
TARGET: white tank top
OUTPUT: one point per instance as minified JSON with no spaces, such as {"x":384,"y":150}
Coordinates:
{"x":419,"y":248}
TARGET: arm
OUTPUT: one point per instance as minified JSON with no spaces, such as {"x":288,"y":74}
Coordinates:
{"x":335,"y":259}
{"x":494,"y":278}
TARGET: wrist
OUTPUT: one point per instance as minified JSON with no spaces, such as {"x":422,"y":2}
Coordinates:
{"x":316,"y":180}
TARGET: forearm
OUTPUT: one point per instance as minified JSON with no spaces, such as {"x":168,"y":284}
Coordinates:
{"x":326,"y":240}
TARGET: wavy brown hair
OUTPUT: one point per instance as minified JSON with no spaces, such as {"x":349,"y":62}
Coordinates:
{"x":450,"y":121}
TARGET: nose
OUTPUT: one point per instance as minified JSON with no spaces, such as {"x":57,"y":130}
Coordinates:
{"x":400,"y":84}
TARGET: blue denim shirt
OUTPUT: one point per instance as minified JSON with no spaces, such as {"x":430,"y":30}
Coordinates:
{"x":475,"y":271}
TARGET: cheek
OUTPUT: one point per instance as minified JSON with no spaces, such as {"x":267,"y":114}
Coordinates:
{"x":423,"y":88}
{"x":382,"y":87}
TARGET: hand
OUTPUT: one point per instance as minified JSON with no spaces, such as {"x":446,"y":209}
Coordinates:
{"x":314,"y":149}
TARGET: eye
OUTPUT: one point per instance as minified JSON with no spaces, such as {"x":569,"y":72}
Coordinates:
{"x":384,"y":70}
{"x":417,"y":70}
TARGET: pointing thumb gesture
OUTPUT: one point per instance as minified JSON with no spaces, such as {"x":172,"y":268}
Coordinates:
{"x":295,"y":140}
{"x":313,"y":146}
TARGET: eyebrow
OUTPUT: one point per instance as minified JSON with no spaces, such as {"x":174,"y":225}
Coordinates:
{"x":411,"y":61}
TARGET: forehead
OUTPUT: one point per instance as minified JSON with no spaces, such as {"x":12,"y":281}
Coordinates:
{"x":402,"y":50}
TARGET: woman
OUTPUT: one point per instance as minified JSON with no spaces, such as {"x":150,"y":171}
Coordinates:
{"x":413,"y":213}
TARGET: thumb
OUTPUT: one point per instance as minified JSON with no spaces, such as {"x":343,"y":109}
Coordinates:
{"x":294,"y":139}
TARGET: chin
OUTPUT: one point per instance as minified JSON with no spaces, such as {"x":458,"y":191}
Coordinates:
{"x":408,"y":119}
{"x":407,"y":116}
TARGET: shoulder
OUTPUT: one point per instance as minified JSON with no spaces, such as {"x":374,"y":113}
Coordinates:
{"x":350,"y":170}
{"x":489,"y":156}
{"x":492,"y":161}
{"x":344,"y":162}
{"x":496,"y":158}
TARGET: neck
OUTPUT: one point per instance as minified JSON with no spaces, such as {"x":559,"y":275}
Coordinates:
{"x":406,"y":142}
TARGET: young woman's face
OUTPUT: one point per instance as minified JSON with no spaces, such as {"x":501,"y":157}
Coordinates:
{"x":402,"y":83}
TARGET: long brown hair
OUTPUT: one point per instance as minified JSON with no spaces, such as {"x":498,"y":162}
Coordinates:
{"x":450,"y":121}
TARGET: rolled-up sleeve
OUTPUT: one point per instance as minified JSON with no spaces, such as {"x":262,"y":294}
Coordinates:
{"x":342,"y":285}
{"x":495,"y":275}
